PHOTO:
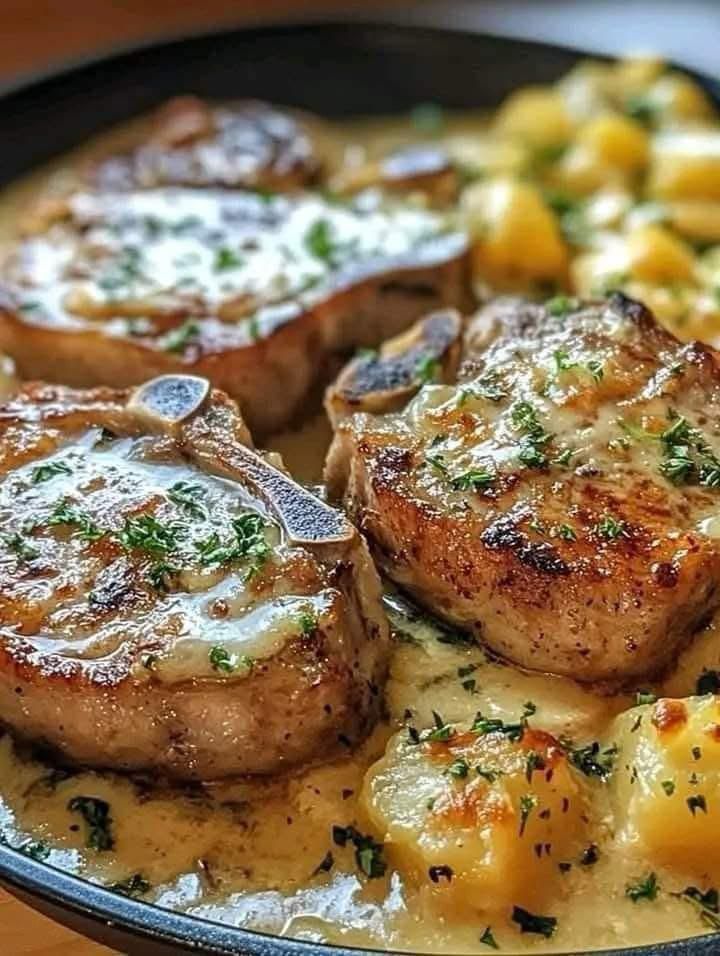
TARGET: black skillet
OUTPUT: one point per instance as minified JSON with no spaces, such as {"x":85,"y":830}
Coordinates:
{"x":336,"y":69}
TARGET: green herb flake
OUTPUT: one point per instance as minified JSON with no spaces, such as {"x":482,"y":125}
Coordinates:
{"x":20,"y":547}
{"x":668,"y":786}
{"x":427,"y":369}
{"x":185,"y":495}
{"x":224,"y":662}
{"x":458,"y":768}
{"x":177,"y":339}
{"x":487,"y":938}
{"x":646,"y":888}
{"x":145,"y":533}
{"x":528,"y":802}
{"x":696,"y":802}
{"x":66,"y":514}
{"x":611,"y":528}
{"x":50,"y":470}
{"x":135,"y":885}
{"x":226,"y":259}
{"x":531,"y":923}
{"x":96,"y":814}
{"x":561,"y":305}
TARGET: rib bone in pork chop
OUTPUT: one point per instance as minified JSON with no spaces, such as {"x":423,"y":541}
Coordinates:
{"x":252,"y":292}
{"x":561,"y":498}
{"x":170,"y":599}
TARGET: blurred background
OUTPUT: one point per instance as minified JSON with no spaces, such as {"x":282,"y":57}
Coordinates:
{"x":38,"y":35}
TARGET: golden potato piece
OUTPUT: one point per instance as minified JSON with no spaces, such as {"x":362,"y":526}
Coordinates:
{"x":537,"y":115}
{"x":667,"y":785}
{"x":518,"y":237}
{"x":656,"y":255}
{"x":479,"y":818}
{"x":617,"y":141}
{"x":686,"y":165}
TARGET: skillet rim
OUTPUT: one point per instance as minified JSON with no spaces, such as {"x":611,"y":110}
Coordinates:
{"x":51,"y":889}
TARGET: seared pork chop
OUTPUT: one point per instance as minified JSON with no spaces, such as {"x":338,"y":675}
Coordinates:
{"x":191,"y":142}
{"x":562,"y":499}
{"x":171,"y":601}
{"x":253,"y":292}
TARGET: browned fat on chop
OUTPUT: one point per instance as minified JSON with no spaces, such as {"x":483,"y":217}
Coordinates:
{"x":253,"y":292}
{"x":170,"y":599}
{"x":561,"y":500}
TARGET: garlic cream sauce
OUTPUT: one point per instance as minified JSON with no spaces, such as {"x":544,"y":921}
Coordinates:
{"x":262,"y":855}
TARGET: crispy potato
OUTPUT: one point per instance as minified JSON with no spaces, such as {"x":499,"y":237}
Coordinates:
{"x":500,"y":813}
{"x":667,"y":785}
{"x":656,"y":255}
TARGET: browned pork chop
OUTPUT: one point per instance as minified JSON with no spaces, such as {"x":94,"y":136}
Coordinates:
{"x":253,"y":292}
{"x":191,"y":142}
{"x":562,"y":499}
{"x":170,"y":600}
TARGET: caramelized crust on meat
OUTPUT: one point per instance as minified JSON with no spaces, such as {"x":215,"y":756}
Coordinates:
{"x":252,"y":292}
{"x":170,"y":600}
{"x":247,"y":144}
{"x":561,"y":499}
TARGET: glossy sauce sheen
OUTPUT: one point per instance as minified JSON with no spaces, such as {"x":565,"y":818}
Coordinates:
{"x":255,"y":854}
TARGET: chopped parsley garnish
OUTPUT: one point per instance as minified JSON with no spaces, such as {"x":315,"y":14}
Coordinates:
{"x":645,"y":888}
{"x":368,"y":853}
{"x":534,"y":761}
{"x":221,"y":660}
{"x":591,"y":761}
{"x":561,"y":304}
{"x":528,"y":802}
{"x":530,"y":923}
{"x":50,"y":470}
{"x":145,"y":533}
{"x":160,"y":575}
{"x":185,"y":495}
{"x":440,"y":732}
{"x":458,"y":768}
{"x":596,"y":369}
{"x":611,"y":528}
{"x":249,"y":543}
{"x":476,"y":479}
{"x":487,"y":938}
{"x":226,"y":259}
{"x":16,"y":543}
{"x":562,"y":361}
{"x":524,"y":418}
{"x":319,"y":241}
{"x":308,"y":622}
{"x":36,"y":851}
{"x":96,"y":814}
{"x":696,"y":802}
{"x":177,"y":339}
{"x":427,"y":369}
{"x":644,"y":697}
{"x":493,"y":725}
{"x":668,"y":786}
{"x":566,"y":532}
{"x":135,"y":885}
{"x":487,"y":387}
{"x":66,"y":514}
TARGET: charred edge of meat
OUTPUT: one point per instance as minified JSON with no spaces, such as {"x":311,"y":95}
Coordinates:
{"x":502,"y":535}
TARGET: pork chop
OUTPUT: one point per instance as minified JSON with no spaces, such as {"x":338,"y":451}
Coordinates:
{"x":561,"y":500}
{"x":253,"y":292}
{"x":171,"y":601}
